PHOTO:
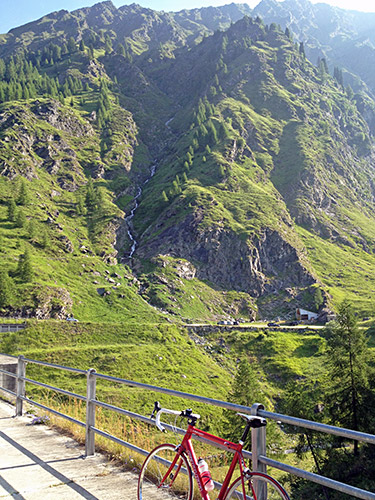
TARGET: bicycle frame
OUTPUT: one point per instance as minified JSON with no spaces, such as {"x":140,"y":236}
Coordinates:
{"x":187,"y":446}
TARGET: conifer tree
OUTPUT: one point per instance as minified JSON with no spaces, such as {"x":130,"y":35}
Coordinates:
{"x":108,"y":45}
{"x":302,"y":50}
{"x":349,"y":372}
{"x":288,"y":33}
{"x":12,"y":208}
{"x":349,"y":92}
{"x":25,"y":269}
{"x":246,"y":390}
{"x":23,"y":194}
{"x":20,"y":218}
{"x":6,"y":288}
{"x":72,"y":47}
{"x":32,"y":230}
{"x":90,"y":195}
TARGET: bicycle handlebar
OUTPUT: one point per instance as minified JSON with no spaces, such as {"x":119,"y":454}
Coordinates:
{"x":253,"y":421}
{"x":192,"y":417}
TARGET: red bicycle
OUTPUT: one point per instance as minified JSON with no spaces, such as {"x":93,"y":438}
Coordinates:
{"x":167,"y":473}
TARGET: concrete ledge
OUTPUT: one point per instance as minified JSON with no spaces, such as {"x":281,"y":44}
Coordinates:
{"x":37,"y":462}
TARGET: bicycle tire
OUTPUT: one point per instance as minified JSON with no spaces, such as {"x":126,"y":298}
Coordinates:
{"x":176,"y":486}
{"x":258,"y":486}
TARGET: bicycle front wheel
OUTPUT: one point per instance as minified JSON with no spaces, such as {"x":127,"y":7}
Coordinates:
{"x":159,"y":480}
{"x":258,"y":486}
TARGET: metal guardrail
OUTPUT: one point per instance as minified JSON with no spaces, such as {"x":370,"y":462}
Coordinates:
{"x":11,"y":327}
{"x":257,"y":455}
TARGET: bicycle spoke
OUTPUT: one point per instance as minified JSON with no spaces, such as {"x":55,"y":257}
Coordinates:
{"x":259,"y":487}
{"x":159,"y":481}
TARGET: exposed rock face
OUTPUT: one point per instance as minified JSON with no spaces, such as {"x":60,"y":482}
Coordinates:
{"x":52,"y":114}
{"x":47,"y":303}
{"x":31,"y":150}
{"x":258,"y":266}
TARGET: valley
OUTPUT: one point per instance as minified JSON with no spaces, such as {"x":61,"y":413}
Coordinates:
{"x":177,"y":181}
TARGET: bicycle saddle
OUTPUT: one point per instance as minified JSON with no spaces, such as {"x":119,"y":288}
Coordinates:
{"x":253,"y":420}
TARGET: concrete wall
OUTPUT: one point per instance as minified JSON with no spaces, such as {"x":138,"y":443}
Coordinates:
{"x":9,"y":365}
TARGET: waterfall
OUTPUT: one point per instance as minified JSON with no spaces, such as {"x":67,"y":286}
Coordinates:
{"x":130,"y":217}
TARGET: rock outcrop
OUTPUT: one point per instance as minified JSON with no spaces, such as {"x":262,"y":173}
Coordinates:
{"x":263,"y":264}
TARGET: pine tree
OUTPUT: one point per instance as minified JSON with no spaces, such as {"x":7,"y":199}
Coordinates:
{"x":12,"y":209}
{"x":303,"y":399}
{"x":337,"y":74}
{"x":302,"y":50}
{"x":108,"y":45}
{"x":72,"y":47}
{"x":44,"y":238}
{"x":349,"y":92}
{"x":246,"y":390}
{"x":349,"y":372}
{"x":25,"y":269}
{"x":23,"y":194}
{"x":20,"y":219}
{"x":6,"y":288}
{"x":32,"y":230}
{"x":90,"y":195}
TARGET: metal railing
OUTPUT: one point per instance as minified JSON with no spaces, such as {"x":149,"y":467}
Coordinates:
{"x":257,"y":455}
{"x":12,"y":327}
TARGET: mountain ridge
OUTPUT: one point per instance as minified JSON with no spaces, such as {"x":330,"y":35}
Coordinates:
{"x":256,"y":152}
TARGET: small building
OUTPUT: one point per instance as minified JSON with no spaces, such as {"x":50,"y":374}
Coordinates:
{"x":303,"y":315}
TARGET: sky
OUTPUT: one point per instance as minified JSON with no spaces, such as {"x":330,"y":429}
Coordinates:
{"x":17,"y":12}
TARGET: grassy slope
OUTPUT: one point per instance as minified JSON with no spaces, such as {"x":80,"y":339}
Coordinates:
{"x":298,"y":121}
{"x":156,"y":354}
{"x":55,"y":266}
{"x":260,"y":89}
{"x":348,"y":273}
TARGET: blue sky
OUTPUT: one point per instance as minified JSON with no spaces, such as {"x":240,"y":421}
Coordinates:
{"x":17,"y":12}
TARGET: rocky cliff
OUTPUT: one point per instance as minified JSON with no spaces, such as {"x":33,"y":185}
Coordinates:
{"x":215,"y":167}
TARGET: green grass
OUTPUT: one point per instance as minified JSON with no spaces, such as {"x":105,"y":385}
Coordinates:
{"x":190,"y":299}
{"x":156,"y":354}
{"x":74,"y":261}
{"x":346,"y":272}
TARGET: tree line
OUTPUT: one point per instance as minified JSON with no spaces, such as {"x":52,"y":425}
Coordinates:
{"x":343,"y":396}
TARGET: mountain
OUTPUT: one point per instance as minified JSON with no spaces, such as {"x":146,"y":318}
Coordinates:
{"x":345,"y":38}
{"x":192,"y":163}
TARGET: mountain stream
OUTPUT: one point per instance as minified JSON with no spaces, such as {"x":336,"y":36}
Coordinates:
{"x":130,"y":217}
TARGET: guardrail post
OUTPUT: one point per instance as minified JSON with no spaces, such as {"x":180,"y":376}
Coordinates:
{"x":90,"y":412}
{"x":258,"y":448}
{"x":20,"y":392}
